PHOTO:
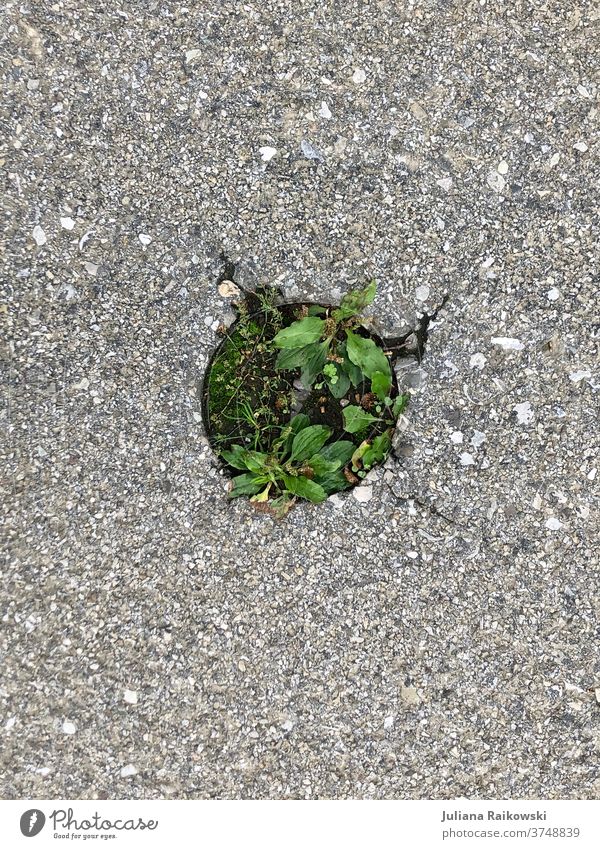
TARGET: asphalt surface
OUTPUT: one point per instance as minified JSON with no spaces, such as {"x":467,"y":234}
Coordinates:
{"x":436,"y":638}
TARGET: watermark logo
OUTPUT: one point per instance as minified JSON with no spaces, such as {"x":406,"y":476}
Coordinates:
{"x":32,"y":822}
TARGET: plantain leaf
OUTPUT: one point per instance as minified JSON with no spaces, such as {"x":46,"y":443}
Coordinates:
{"x":381,"y":383}
{"x":334,"y":482}
{"x":305,"y":488}
{"x":341,"y":450}
{"x":365,"y":354}
{"x":299,"y":422}
{"x":236,"y":457}
{"x":291,"y":358}
{"x":353,"y":372}
{"x":247,"y":484}
{"x":314,"y":363}
{"x":321,"y":466}
{"x":300,"y":333}
{"x":309,"y":441}
{"x":356,"y":419}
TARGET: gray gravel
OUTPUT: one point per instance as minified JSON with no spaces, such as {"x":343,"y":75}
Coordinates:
{"x":436,"y":639}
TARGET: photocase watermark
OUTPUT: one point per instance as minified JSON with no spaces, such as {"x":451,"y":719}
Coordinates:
{"x":32,"y":822}
{"x":66,"y":825}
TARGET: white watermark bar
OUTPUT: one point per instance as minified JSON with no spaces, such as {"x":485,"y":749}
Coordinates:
{"x":288,"y":824}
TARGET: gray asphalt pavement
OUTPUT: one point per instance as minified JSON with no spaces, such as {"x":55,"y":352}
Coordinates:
{"x":436,"y":636}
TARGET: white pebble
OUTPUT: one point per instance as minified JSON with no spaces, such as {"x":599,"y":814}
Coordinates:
{"x":69,"y":727}
{"x":577,"y":376}
{"x":359,"y":76}
{"x":267,"y":153}
{"x":496,"y":181}
{"x":10,"y":722}
{"x":324,"y":111}
{"x":388,"y":722}
{"x":445,"y":183}
{"x":128,"y":771}
{"x":582,"y":90}
{"x":467,"y":459}
{"x":144,"y":238}
{"x":131,"y":697}
{"x":553,"y":294}
{"x":192,"y":55}
{"x":524,"y":412}
{"x":67,"y":223}
{"x":363,"y":493}
{"x":478,"y":438}
{"x":507,"y":344}
{"x":580,"y":146}
{"x":554,"y":160}
{"x":553,"y":524}
{"x":503,"y":167}
{"x":287,"y":725}
{"x":477,"y":361}
{"x":456,"y":437}
{"x":422,"y":293}
{"x":39,"y":237}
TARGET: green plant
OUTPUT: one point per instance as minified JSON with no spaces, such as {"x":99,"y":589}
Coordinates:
{"x":313,"y":344}
{"x":299,"y":464}
{"x":357,"y":420}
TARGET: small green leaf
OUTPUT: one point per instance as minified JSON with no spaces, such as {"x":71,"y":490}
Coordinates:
{"x":321,"y":466}
{"x":341,"y":385}
{"x":255,"y":461}
{"x":340,"y":450}
{"x":300,"y":333}
{"x":315,"y":309}
{"x":356,"y":419}
{"x":241,"y":458}
{"x":358,"y":454}
{"x":354,"y":302}
{"x":299,"y":422}
{"x":365,"y":354}
{"x":291,"y":358}
{"x":309,"y":441}
{"x":313,"y":363}
{"x":381,"y":383}
{"x":334,"y":482}
{"x":247,"y":484}
{"x":264,"y":495}
{"x":236,"y":457}
{"x":305,"y":488}
{"x":353,"y":372}
{"x":400,"y":405}
{"x":377,"y":451}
